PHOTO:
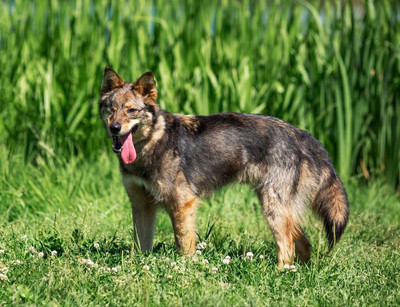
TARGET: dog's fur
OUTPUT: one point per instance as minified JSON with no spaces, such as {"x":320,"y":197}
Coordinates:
{"x":181,"y":158}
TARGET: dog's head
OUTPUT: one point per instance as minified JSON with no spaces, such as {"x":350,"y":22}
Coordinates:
{"x":127,"y":109}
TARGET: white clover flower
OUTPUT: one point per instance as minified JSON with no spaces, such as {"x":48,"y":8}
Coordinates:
{"x":90,"y":263}
{"x":40,"y":254}
{"x":169,"y":277}
{"x":226,"y":261}
{"x":32,"y":250}
{"x":3,"y":277}
{"x":201,"y":245}
{"x":114,"y":270}
{"x":205,"y":261}
{"x":167,"y":260}
{"x":261,"y":256}
{"x":249,"y":255}
{"x":214,"y":270}
{"x":293,"y":268}
{"x":198,"y":252}
{"x":1,"y":251}
{"x":53,"y":253}
{"x":146,"y":267}
{"x":286,"y":267}
{"x":96,"y":245}
{"x":119,"y":267}
{"x":24,"y":237}
{"x":173,"y":264}
{"x":4,"y":270}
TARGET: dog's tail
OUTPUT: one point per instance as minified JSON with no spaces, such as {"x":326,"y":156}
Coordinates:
{"x":331,"y":204}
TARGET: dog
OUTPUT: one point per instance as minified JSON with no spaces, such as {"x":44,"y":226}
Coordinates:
{"x":171,"y":161}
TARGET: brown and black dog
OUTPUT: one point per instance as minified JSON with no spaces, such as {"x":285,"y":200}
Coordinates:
{"x":171,"y":160}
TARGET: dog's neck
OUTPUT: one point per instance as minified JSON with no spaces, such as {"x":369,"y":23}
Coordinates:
{"x":155,"y":133}
{"x":152,"y":140}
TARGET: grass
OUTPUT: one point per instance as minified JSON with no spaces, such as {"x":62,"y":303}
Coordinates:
{"x":59,"y":208}
{"x":330,"y":67}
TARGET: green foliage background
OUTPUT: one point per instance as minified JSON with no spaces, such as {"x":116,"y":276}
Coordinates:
{"x":331,"y":67}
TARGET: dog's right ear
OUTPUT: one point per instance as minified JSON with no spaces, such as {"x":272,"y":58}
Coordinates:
{"x":111,"y":80}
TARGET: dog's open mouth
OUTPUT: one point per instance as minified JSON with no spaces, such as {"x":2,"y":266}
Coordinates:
{"x":117,"y":145}
{"x":124,"y":145}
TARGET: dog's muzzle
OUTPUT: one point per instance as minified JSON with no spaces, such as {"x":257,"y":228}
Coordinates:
{"x":117,"y":144}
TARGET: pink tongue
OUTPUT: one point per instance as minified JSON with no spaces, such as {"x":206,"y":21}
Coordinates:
{"x":128,"y":153}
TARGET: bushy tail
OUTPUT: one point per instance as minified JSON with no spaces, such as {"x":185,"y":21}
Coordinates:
{"x":332,"y":206}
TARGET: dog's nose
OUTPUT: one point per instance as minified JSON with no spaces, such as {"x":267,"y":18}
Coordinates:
{"x":115,"y":128}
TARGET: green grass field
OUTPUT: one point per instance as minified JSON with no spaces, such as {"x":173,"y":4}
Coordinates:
{"x":330,"y":67}
{"x":57,"y":207}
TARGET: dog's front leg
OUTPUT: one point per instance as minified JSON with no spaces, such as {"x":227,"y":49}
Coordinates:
{"x":144,"y":219}
{"x":183,"y":222}
{"x":144,"y":211}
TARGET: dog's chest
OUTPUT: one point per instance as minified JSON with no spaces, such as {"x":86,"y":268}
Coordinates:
{"x":130,"y":180}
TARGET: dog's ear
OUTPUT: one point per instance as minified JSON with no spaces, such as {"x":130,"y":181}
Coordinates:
{"x":111,"y":80}
{"x":146,"y":85}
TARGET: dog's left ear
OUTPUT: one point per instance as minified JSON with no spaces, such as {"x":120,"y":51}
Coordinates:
{"x":146,"y":85}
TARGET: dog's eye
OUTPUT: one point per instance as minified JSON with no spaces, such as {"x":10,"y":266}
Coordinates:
{"x":132,"y":110}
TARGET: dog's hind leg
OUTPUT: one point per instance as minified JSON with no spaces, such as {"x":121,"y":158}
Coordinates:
{"x":284,"y":223}
{"x":284,"y":230}
{"x":302,"y":247}
{"x":144,"y":211}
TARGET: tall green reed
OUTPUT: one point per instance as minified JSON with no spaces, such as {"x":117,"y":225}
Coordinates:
{"x":330,"y":68}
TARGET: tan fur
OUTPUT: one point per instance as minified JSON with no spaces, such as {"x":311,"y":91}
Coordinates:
{"x":146,"y":87}
{"x":156,"y":135}
{"x":182,"y":210}
{"x":336,"y":211}
{"x":189,"y":121}
{"x":183,"y":221}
